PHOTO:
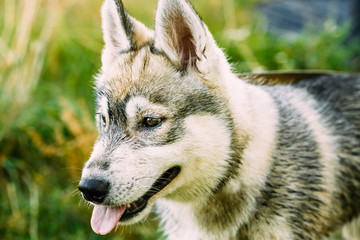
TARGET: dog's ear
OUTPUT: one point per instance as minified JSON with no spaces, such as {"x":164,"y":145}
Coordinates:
{"x":121,"y":32}
{"x":180,"y":33}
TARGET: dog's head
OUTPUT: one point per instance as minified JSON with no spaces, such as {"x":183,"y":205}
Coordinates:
{"x":164,"y":125}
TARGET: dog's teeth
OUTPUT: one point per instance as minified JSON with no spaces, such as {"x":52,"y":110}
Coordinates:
{"x":128,"y":205}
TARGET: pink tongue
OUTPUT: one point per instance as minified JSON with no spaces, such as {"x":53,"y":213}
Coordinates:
{"x":104,"y":219}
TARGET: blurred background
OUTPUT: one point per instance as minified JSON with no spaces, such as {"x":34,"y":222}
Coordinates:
{"x":49,"y":52}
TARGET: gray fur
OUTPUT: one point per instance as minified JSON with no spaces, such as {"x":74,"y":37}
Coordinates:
{"x":258,"y":161}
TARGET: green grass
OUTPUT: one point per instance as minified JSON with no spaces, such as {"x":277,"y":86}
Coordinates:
{"x":49,"y":52}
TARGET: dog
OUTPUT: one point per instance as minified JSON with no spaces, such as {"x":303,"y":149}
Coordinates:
{"x":220,"y":156}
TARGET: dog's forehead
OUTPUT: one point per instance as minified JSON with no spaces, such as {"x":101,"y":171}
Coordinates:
{"x":135,"y":68}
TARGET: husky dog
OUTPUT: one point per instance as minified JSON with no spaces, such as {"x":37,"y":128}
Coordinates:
{"x":220,"y":157}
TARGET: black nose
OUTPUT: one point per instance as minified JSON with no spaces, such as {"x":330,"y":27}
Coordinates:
{"x":94,"y":190}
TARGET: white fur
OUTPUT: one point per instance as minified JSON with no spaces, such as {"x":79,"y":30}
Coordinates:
{"x":255,"y":114}
{"x":183,"y":228}
{"x":136,"y":105}
{"x":207,"y":146}
{"x":351,"y":231}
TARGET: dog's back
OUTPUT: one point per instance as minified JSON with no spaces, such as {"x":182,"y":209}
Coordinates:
{"x":314,"y":180}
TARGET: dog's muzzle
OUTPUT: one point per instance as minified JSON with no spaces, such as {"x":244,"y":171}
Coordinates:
{"x":94,"y":190}
{"x":106,"y":217}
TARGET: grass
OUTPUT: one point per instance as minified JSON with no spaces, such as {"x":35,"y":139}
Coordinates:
{"x":49,"y":52}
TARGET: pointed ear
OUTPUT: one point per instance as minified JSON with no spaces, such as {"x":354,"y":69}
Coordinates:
{"x":180,"y":33}
{"x":121,"y":32}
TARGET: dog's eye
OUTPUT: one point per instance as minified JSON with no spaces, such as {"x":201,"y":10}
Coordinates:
{"x":152,"y":122}
{"x":103,"y":121}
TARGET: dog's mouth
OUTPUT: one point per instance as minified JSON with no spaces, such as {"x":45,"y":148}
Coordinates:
{"x":105,"y":218}
{"x":133,"y":208}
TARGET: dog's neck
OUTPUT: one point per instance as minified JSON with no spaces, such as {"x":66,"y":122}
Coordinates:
{"x":251,"y":106}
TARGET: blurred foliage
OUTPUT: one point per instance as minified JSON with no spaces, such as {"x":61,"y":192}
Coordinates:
{"x":49,"y":52}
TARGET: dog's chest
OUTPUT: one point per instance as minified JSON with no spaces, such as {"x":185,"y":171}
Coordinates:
{"x":179,"y":223}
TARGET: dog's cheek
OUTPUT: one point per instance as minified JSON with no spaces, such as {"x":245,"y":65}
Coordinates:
{"x":201,"y":153}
